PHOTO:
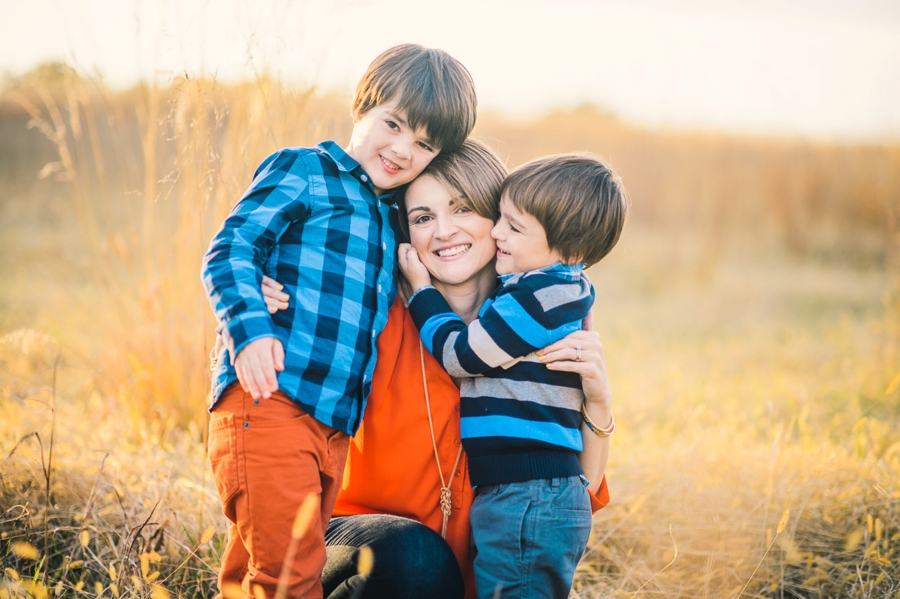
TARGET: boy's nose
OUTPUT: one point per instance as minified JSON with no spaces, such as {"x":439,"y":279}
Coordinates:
{"x":495,"y":232}
{"x":401,"y":148}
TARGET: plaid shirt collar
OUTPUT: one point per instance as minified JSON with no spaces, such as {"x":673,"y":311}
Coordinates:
{"x":348,"y":164}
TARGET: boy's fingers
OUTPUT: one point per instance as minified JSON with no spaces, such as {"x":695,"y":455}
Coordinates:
{"x":269,"y":378}
{"x":261,"y":387}
{"x":278,"y":356}
{"x":249,"y":384}
{"x":242,"y":377}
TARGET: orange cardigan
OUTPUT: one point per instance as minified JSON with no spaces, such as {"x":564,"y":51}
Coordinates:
{"x":391,"y":468}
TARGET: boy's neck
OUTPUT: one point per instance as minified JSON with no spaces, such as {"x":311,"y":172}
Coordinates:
{"x":466,"y":299}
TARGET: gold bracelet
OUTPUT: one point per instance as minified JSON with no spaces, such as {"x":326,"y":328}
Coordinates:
{"x":600,"y":432}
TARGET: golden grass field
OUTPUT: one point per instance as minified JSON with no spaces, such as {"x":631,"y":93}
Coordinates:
{"x":750,"y":318}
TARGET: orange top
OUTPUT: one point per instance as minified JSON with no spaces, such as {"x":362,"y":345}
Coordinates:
{"x":391,"y":467}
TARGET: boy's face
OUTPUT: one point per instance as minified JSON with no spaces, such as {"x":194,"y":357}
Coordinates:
{"x":521,"y":241}
{"x":388,"y":149}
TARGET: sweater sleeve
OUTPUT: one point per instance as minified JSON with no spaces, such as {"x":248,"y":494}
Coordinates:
{"x":233,"y":265}
{"x":513,"y":325}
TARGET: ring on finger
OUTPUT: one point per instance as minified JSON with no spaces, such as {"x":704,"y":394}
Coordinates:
{"x":578,"y":353}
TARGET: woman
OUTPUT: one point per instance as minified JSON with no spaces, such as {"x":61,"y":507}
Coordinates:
{"x":406,"y":483}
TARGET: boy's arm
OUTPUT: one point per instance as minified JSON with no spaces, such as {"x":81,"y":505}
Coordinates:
{"x":513,"y":325}
{"x":233,"y":266}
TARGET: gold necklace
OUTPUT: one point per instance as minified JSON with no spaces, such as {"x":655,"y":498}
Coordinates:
{"x":445,"y":500}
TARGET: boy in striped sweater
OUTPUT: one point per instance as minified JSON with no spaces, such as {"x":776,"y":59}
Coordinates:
{"x":521,"y":422}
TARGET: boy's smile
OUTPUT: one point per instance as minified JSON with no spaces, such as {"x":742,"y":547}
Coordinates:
{"x":388,"y":149}
{"x":521,"y":241}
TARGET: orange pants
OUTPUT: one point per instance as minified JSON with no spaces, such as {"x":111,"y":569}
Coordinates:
{"x":267,"y":455}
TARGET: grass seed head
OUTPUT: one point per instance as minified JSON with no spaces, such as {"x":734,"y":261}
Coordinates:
{"x":25,"y":550}
{"x":231,"y":590}
{"x":159,"y":592}
{"x":365,"y":561}
{"x":785,"y":516}
{"x":207,"y":534}
{"x":305,"y":515}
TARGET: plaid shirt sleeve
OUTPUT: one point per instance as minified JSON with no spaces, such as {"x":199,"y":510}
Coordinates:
{"x":513,"y":325}
{"x":233,"y":265}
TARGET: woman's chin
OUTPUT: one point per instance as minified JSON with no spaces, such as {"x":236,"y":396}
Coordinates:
{"x":462,"y":275}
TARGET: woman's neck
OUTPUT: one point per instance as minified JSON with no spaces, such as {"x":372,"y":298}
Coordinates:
{"x":466,"y":298}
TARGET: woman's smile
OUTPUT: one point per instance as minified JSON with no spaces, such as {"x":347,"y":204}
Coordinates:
{"x":453,"y":251}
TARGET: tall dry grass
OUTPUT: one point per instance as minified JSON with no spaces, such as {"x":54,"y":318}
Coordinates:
{"x":751,"y":318}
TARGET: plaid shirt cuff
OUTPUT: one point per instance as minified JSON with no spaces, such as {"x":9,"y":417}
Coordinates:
{"x":244,"y":328}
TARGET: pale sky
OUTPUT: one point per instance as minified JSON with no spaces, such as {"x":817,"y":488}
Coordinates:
{"x":822,"y":68}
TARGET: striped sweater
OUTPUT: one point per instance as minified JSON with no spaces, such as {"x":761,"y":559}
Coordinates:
{"x":519,"y":420}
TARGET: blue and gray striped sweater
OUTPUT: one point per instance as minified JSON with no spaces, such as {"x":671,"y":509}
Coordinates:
{"x":519,"y":420}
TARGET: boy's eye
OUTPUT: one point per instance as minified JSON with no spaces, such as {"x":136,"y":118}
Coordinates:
{"x":426,"y":147}
{"x":513,"y":229}
{"x":392,"y":125}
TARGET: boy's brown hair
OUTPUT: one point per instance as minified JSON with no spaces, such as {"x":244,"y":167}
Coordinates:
{"x":472,"y":175}
{"x":578,"y":199}
{"x":434,"y":90}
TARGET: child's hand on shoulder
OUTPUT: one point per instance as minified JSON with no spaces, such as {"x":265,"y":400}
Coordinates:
{"x":412,"y":268}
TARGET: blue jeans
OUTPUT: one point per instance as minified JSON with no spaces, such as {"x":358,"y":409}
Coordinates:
{"x":529,"y":536}
{"x":411,"y":560}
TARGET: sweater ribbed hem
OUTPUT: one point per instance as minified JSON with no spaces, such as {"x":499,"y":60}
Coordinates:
{"x":425,"y":304}
{"x":523,"y":466}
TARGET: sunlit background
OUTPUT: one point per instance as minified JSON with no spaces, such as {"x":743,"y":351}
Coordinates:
{"x":750,"y":315}
{"x":822,"y":68}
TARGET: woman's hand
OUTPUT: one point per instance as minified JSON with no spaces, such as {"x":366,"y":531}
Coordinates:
{"x":412,"y":268}
{"x":564,"y":356}
{"x":582,"y":352}
{"x":273,"y":295}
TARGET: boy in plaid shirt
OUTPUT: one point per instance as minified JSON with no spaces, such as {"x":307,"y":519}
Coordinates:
{"x":290,"y":388}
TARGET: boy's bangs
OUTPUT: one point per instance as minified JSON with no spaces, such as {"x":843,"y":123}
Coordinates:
{"x":425,"y":109}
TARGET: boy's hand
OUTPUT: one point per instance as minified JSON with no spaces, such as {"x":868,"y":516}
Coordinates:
{"x":412,"y":268}
{"x":256,"y":364}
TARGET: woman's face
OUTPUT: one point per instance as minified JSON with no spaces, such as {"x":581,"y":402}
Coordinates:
{"x":453,"y":242}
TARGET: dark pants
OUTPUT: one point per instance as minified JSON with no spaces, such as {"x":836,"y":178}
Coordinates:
{"x":411,"y":560}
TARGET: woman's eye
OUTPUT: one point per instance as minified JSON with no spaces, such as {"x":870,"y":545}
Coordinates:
{"x":463,"y":210}
{"x":420,"y":220}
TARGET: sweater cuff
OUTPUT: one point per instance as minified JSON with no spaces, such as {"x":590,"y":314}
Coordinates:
{"x":426,"y":303}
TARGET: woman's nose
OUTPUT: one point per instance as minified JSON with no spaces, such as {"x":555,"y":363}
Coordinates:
{"x":444,"y":228}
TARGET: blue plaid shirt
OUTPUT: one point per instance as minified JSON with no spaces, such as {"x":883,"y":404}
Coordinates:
{"x":310,"y":220}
